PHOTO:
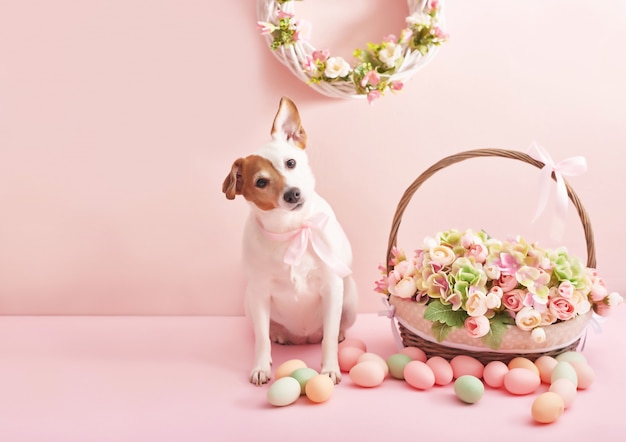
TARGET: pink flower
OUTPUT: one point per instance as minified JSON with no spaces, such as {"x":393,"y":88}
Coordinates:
{"x":479,"y":252}
{"x":321,"y":55}
{"x":508,"y":264}
{"x":373,"y":96}
{"x":566,"y":289}
{"x":372,"y":78}
{"x":598,"y":290}
{"x":396,"y":85}
{"x":390,"y":38}
{"x":507,"y":282}
{"x":562,"y":308}
{"x":477,"y":326}
{"x":514,"y":300}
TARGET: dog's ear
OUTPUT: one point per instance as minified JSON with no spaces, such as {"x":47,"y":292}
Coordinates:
{"x":287,"y":124}
{"x":233,"y":181}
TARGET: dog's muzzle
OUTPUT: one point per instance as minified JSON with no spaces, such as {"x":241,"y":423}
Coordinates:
{"x":293,"y":196}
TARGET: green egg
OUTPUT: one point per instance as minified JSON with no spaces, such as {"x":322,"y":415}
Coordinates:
{"x":396,"y":364}
{"x":469,"y":389}
{"x":564,"y":369}
{"x":302,"y":375}
{"x":571,"y":356}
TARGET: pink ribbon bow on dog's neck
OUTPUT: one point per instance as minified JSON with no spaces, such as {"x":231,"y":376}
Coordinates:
{"x":569,"y":167}
{"x":300,"y":238}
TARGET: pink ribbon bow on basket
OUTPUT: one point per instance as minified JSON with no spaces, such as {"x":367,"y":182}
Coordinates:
{"x":569,"y":167}
{"x":310,"y":233}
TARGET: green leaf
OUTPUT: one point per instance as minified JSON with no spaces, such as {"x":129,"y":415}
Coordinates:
{"x":499,"y":324}
{"x":438,"y":312}
{"x":441,"y":331}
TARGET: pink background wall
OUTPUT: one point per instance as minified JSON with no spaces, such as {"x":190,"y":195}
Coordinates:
{"x":120,"y":119}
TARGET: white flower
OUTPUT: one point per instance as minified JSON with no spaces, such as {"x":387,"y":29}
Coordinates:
{"x":337,"y":67}
{"x":389,"y":54}
{"x":615,"y":299}
{"x":538,"y":334}
{"x":419,"y":18}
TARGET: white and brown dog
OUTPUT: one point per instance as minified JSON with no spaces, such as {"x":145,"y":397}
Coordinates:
{"x":297,"y":257}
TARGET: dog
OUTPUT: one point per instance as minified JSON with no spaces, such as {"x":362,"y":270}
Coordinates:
{"x":297,"y":257}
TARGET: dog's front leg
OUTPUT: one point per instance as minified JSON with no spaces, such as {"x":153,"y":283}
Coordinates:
{"x":332,"y":301}
{"x":258,"y":310}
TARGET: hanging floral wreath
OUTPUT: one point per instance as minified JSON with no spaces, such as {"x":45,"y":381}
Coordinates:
{"x":379,"y":67}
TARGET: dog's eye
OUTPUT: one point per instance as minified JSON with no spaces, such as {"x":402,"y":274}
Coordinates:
{"x":290,"y":163}
{"x":261,"y":183}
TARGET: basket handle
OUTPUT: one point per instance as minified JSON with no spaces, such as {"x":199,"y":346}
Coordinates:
{"x":456,"y":158}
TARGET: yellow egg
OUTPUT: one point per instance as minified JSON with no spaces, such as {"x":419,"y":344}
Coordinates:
{"x":288,"y":367}
{"x":547,"y":407}
{"x":520,"y":362}
{"x":545,"y":364}
{"x":319,"y":388}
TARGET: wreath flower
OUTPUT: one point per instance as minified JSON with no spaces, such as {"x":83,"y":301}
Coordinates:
{"x":380,"y":67}
{"x":471,"y":281}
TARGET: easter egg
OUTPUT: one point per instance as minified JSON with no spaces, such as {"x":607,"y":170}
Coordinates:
{"x":547,"y":407}
{"x":441,"y":369}
{"x":466,"y":365}
{"x":367,"y":374}
{"x":353,"y":342}
{"x":303,"y":375}
{"x":564,"y":388}
{"x":283,"y":391}
{"x":319,"y":388}
{"x":469,"y":389}
{"x":396,"y":364}
{"x":415,"y":353}
{"x":520,"y":362}
{"x":348,"y":357}
{"x":288,"y":367}
{"x":564,"y":369}
{"x":584,"y":373}
{"x":494,"y":373}
{"x":419,"y":375}
{"x":545,"y":364}
{"x":571,"y":356}
{"x":368,"y":356}
{"x":521,"y":381}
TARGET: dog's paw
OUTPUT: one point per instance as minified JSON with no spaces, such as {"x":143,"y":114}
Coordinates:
{"x":259,"y":377}
{"x":335,"y":375}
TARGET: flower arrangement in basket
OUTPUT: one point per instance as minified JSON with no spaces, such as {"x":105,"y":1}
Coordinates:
{"x":464,"y":291}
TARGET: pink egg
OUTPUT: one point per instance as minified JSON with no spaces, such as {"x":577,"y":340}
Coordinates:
{"x":353,"y":342}
{"x":367,"y":374}
{"x":521,"y":381}
{"x":348,"y":357}
{"x":419,"y":375}
{"x":441,"y":369}
{"x":415,"y":353}
{"x":586,"y":374}
{"x":369,"y":356}
{"x":566,"y":389}
{"x":545,"y":364}
{"x":494,"y":373}
{"x":466,"y":365}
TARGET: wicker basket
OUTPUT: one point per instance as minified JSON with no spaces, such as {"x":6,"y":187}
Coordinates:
{"x":414,"y":330}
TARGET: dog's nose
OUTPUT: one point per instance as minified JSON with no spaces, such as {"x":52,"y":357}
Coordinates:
{"x":292,"y":195}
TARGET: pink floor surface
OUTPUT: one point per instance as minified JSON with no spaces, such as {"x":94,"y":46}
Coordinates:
{"x":185,"y":379}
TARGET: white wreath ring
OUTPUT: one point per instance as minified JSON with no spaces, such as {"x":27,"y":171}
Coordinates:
{"x":380,"y":67}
